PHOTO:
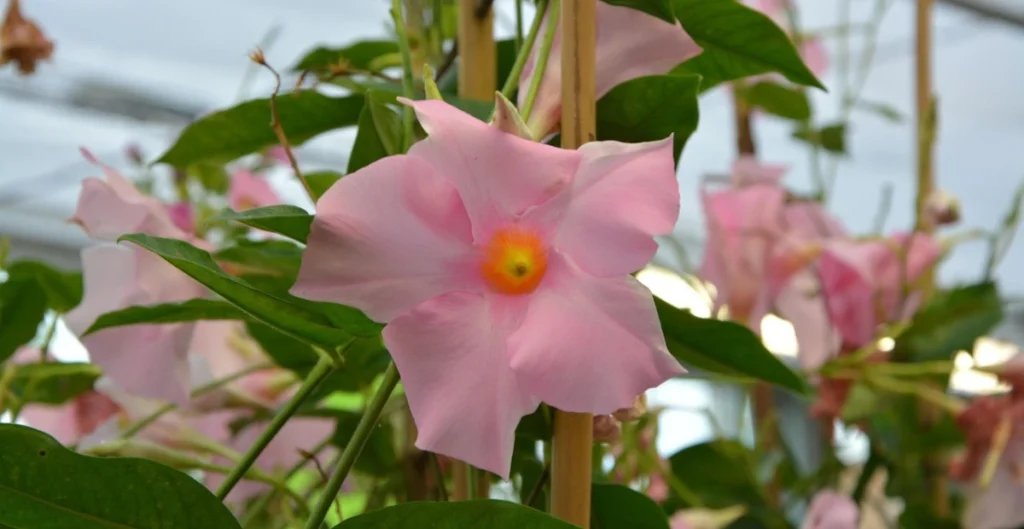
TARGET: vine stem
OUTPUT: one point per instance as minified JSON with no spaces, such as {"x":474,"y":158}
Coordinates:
{"x":315,"y":377}
{"x":542,"y":58}
{"x":407,"y":79}
{"x":524,"y":50}
{"x":355,"y":445}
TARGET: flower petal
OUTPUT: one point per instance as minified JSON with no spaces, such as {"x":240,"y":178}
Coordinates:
{"x":590,"y":345}
{"x":748,"y":170}
{"x":387,"y":238}
{"x":801,"y":304}
{"x":498,"y":175}
{"x":464,"y":397}
{"x":622,"y":196}
{"x":1001,"y":503}
{"x":830,"y":510}
{"x":250,"y":191}
{"x":630,"y":44}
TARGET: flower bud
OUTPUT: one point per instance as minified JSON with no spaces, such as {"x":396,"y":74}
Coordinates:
{"x":942,"y":208}
{"x":633,"y":413}
{"x":607,"y":429}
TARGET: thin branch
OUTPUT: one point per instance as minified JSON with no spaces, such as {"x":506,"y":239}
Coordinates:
{"x":545,"y":475}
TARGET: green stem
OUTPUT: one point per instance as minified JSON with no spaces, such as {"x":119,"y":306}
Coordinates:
{"x":355,"y":445}
{"x":261,"y":504}
{"x":407,"y":86}
{"x":542,"y":58}
{"x":316,"y":375}
{"x":524,"y":50}
{"x":471,"y":479}
{"x":442,"y":491}
{"x":519,"y":26}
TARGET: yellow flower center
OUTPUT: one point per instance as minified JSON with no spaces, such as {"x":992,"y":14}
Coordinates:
{"x":514,"y":262}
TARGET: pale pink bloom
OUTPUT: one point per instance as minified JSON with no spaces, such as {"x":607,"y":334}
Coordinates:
{"x":630,"y":44}
{"x":299,"y":435}
{"x":147,"y":360}
{"x":501,"y":267}
{"x":278,"y":154}
{"x":999,"y":504}
{"x":250,"y":191}
{"x":607,"y":429}
{"x":747,"y":170}
{"x":864,"y":282}
{"x":678,"y":521}
{"x":228,"y":350}
{"x":831,"y":510}
{"x":743,"y":224}
{"x":182,"y":216}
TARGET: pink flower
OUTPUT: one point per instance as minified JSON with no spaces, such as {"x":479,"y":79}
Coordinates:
{"x":250,"y":191}
{"x":1000,"y":503}
{"x":864,"y":282}
{"x":501,"y":267}
{"x":679,"y":521}
{"x":630,"y":44}
{"x":147,"y":360}
{"x":278,"y":154}
{"x":182,"y":216}
{"x":831,"y":510}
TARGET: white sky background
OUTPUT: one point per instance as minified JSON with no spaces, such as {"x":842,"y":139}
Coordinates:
{"x":193,"y":52}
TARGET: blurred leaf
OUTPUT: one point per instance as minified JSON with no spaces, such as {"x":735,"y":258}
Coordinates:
{"x":358,"y":56}
{"x":832,"y":138}
{"x":321,"y":181}
{"x":536,"y":426}
{"x":191,"y":310}
{"x":778,"y":100}
{"x":482,"y":514}
{"x":22,"y":309}
{"x":950,"y":322}
{"x":720,"y":473}
{"x":48,"y":486}
{"x":738,"y":42}
{"x":270,"y":257}
{"x":225,"y":135}
{"x":378,"y":133}
{"x":656,"y":8}
{"x":650,"y":108}
{"x":52,"y":382}
{"x":723,"y":347}
{"x":861,"y":403}
{"x":881,"y":109}
{"x":291,"y":221}
{"x":378,"y":457}
{"x":288,"y":317}
{"x":620,"y":507}
{"x":63,"y":289}
{"x":213,"y":176}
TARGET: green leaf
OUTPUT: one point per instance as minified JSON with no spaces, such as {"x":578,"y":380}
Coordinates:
{"x":358,"y":56}
{"x":482,"y":514}
{"x":213,"y":176}
{"x":291,"y":318}
{"x":738,"y":42}
{"x":271,"y":257}
{"x":243,"y":129}
{"x":723,"y":347}
{"x":726,"y":474}
{"x":44,"y":485}
{"x":778,"y":100}
{"x":52,"y":382}
{"x":656,"y":8}
{"x":389,"y":92}
{"x":320,"y":181}
{"x":950,"y":322}
{"x":378,"y":133}
{"x":650,"y":108}
{"x":191,"y":310}
{"x":63,"y":289}
{"x":22,"y":309}
{"x":861,"y":404}
{"x":620,"y":507}
{"x":884,"y":110}
{"x":832,"y":138}
{"x":378,"y":457}
{"x":291,"y":221}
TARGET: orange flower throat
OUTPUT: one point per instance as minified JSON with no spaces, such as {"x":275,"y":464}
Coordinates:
{"x":514,"y":262}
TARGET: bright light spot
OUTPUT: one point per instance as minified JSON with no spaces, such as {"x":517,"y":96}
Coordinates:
{"x":886,"y":344}
{"x":672,"y":288}
{"x":987,"y":352}
{"x":990,"y":352}
{"x":963,"y":361}
{"x":779,"y":336}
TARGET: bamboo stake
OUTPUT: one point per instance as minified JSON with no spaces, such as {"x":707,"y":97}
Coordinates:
{"x":571,"y":463}
{"x":477,"y":80}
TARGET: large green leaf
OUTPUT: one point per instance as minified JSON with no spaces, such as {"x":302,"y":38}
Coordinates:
{"x":44,"y":485}
{"x":291,"y":318}
{"x":650,"y":108}
{"x":378,"y":133}
{"x":778,"y":100}
{"x":191,"y":310}
{"x":291,"y":221}
{"x":619,"y":507}
{"x":22,"y":309}
{"x":738,"y":42}
{"x":271,"y":257}
{"x":63,"y":289}
{"x":320,"y":181}
{"x":52,"y":382}
{"x":951,"y":322}
{"x":358,"y":56}
{"x":476,"y":514}
{"x":245,"y":128}
{"x":657,"y":8}
{"x":723,"y":347}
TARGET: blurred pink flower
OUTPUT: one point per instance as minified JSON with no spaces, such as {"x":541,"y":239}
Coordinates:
{"x":278,"y":154}
{"x":501,"y":267}
{"x":678,"y":521}
{"x":630,"y":44}
{"x":831,"y":510}
{"x":182,"y":216}
{"x":864,"y":282}
{"x":250,"y":191}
